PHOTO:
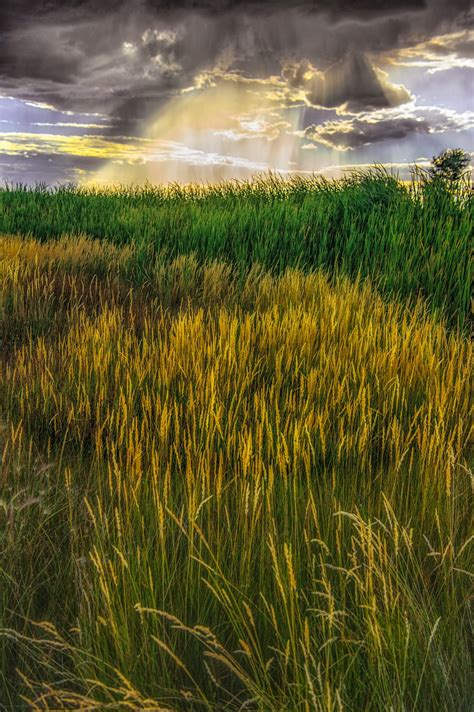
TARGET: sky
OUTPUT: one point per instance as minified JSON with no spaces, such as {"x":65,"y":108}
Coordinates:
{"x":127,"y":91}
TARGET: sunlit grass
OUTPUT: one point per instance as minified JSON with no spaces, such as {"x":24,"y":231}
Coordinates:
{"x":228,"y":489}
{"x":410,"y":239}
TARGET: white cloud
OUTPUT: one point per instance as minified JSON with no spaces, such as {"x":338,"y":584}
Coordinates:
{"x":386,"y":125}
{"x":133,"y":151}
{"x":129,"y":48}
{"x":250,"y":127}
{"x":439,"y":54}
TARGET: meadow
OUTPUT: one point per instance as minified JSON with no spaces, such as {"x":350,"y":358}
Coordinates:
{"x":236,"y":447}
{"x":409,"y":239}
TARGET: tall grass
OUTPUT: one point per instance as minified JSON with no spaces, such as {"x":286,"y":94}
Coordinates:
{"x":411,"y":240}
{"x":228,"y":490}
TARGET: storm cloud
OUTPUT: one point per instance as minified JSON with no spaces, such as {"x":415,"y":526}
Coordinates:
{"x":352,"y":83}
{"x":123,"y":58}
{"x":236,"y":83}
{"x":349,"y":135}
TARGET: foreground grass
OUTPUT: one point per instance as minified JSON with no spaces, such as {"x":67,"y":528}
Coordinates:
{"x":227,"y":490}
{"x":410,"y":240}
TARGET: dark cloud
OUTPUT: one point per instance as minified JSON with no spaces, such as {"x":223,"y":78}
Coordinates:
{"x":46,"y":168}
{"x":357,"y":132}
{"x":349,"y":135}
{"x":126,"y":58}
{"x":16,"y":11}
{"x":352,"y":83}
{"x":460,"y":44}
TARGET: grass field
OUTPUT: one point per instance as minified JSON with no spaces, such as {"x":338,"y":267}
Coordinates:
{"x":409,"y":239}
{"x":236,"y":468}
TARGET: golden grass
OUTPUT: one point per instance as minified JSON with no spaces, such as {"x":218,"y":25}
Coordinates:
{"x":262,"y":483}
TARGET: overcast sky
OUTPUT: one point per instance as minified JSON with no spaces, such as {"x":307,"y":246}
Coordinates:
{"x":133,"y":90}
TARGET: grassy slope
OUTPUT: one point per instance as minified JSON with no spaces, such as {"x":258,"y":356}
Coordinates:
{"x":410,"y":240}
{"x":278,"y":460}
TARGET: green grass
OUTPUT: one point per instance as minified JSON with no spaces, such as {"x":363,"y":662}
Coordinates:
{"x":410,"y":240}
{"x":234,"y":474}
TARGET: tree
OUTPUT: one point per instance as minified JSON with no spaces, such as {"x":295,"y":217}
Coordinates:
{"x":450,"y":165}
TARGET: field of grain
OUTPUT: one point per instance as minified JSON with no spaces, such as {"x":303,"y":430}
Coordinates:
{"x":236,"y":466}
